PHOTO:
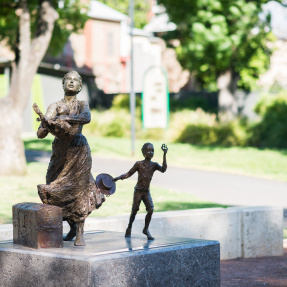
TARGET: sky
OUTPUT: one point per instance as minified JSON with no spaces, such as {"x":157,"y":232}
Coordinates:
{"x":278,"y":18}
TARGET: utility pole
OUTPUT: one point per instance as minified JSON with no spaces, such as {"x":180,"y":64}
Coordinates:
{"x":132,"y":94}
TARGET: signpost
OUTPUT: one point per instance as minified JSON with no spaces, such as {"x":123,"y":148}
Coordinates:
{"x":155,"y":98}
{"x":132,"y":94}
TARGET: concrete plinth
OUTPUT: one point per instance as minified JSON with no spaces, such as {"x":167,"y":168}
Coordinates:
{"x":109,"y":259}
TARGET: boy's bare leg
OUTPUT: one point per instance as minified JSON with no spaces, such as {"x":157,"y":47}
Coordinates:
{"x":80,"y":234}
{"x":72,"y":232}
{"x":147,"y":222}
{"x":132,"y":219}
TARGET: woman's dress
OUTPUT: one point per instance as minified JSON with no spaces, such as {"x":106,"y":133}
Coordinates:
{"x":69,"y":182}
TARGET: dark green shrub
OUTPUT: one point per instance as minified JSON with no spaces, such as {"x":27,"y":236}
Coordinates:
{"x":191,"y":103}
{"x":220,"y":134}
{"x":122,"y":101}
{"x":155,"y":134}
{"x":271,"y":131}
{"x":114,"y":129}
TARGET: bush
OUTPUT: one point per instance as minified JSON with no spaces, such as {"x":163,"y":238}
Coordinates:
{"x":191,"y":103}
{"x":271,"y":130}
{"x":194,"y":127}
{"x":110,"y":123}
{"x":122,"y":101}
{"x":200,"y":128}
{"x":220,"y":134}
{"x":155,"y":134}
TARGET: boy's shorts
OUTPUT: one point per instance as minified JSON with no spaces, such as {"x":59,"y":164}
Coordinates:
{"x":144,"y":196}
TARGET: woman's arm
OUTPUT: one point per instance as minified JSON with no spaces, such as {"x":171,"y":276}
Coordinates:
{"x":43,"y":129}
{"x":84,"y":117}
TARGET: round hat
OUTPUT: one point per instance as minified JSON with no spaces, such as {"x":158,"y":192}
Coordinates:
{"x":106,"y":184}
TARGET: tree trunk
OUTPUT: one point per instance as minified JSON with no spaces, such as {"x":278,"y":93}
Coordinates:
{"x":11,"y":146}
{"x":12,"y":107}
{"x":227,"y":85}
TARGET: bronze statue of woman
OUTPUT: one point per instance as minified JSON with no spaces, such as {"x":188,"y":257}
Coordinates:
{"x":69,"y":182}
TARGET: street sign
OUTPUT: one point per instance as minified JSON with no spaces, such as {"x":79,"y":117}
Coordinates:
{"x":155,"y":98}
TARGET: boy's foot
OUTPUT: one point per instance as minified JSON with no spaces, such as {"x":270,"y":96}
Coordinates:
{"x":149,"y":237}
{"x":128,"y":232}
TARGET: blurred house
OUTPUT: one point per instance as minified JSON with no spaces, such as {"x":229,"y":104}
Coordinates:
{"x":103,"y":50}
{"x":101,"y":54}
{"x":276,"y":77}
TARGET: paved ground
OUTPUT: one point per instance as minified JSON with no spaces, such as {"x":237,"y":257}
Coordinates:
{"x":251,"y":272}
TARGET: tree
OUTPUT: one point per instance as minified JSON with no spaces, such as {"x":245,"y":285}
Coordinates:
{"x":223,"y":43}
{"x":141,"y":9}
{"x":27,"y":27}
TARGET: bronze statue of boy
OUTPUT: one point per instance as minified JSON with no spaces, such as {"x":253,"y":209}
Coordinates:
{"x":145,"y":169}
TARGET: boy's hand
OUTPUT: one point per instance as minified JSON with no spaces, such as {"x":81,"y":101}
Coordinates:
{"x":164,"y":148}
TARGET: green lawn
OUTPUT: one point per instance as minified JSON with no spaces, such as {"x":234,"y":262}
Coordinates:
{"x":249,"y":161}
{"x":24,"y":189}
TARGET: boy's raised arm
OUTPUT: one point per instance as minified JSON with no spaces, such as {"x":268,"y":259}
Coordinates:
{"x":164,"y":165}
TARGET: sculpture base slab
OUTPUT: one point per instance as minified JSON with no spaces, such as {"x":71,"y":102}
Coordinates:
{"x":110,"y":259}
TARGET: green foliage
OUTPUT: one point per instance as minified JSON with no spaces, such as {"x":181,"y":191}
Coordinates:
{"x":72,"y":18}
{"x":141,"y":8}
{"x":191,"y":103}
{"x":187,"y":126}
{"x":155,"y":134}
{"x":122,"y":101}
{"x":111,"y":123}
{"x":218,"y":35}
{"x":271,"y":130}
{"x":227,"y":134}
{"x":113,"y":129}
{"x":200,"y":128}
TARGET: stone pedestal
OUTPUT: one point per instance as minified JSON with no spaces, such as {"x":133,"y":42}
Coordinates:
{"x":110,"y":259}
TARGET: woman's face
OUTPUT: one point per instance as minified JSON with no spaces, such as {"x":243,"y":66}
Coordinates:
{"x":72,"y":83}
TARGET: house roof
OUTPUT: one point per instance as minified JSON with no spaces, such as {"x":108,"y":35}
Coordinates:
{"x":101,"y":11}
{"x":140,"y":32}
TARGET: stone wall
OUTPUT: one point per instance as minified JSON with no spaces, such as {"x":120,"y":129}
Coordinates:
{"x":242,"y":231}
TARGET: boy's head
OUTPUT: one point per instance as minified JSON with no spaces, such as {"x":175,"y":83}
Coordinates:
{"x":148,"y":150}
{"x":62,"y":110}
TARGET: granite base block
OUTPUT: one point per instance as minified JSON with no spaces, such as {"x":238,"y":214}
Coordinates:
{"x":109,"y":259}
